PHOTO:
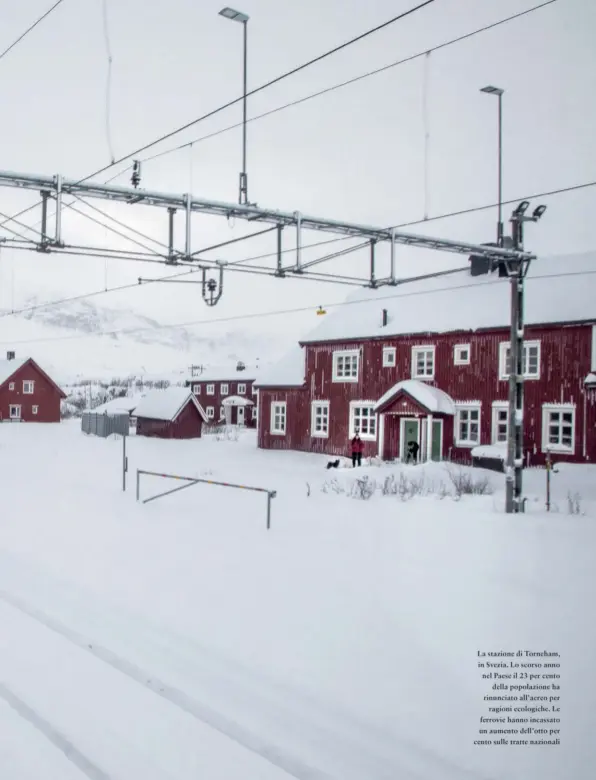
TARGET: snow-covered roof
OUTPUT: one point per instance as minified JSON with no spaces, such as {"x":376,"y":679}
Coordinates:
{"x":228,"y":373}
{"x":123,"y":405}
{"x":431,"y":398}
{"x":287,"y":372}
{"x":167,"y":404}
{"x":237,"y":400}
{"x":8,"y":368}
{"x":496,"y":451}
{"x":557,"y":290}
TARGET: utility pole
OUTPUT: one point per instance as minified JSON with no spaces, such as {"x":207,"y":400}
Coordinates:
{"x":517,"y":270}
{"x":490,"y":90}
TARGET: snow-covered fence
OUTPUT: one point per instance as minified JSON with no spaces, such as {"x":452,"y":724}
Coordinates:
{"x":190,"y":481}
{"x":105,"y":425}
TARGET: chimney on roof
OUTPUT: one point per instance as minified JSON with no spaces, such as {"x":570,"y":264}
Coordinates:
{"x":384,"y":319}
{"x":10,"y":355}
{"x":240,"y":366}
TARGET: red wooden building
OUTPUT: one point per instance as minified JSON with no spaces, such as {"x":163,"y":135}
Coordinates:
{"x":233,"y":385}
{"x":173,"y":413}
{"x":27,"y":393}
{"x":428,"y":362}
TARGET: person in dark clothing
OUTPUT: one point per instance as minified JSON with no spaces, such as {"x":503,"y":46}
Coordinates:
{"x":412,"y":455}
{"x":357,"y":447}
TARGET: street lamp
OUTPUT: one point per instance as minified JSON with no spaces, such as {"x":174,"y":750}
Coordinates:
{"x":499,"y":93}
{"x":238,"y":16}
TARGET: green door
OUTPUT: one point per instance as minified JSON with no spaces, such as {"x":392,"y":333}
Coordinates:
{"x":411,"y":433}
{"x":436,"y":453}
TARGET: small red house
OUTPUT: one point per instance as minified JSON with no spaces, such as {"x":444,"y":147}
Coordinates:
{"x":429,"y":362}
{"x":27,"y":393}
{"x":173,"y":413}
{"x":227,"y":393}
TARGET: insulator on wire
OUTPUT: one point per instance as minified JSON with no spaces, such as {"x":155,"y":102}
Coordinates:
{"x":136,"y":173}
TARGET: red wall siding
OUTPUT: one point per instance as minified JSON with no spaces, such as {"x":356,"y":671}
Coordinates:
{"x":188,"y":425}
{"x":565,"y":360}
{"x":46,"y":396}
{"x":216,"y":400}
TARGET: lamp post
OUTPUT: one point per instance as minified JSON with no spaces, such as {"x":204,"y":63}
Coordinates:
{"x":238,"y":16}
{"x":499,"y":93}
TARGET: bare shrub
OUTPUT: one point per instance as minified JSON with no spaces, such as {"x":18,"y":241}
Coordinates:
{"x":332,"y":486}
{"x":574,"y":506}
{"x":465,"y":484}
{"x":389,"y":487}
{"x":307,"y":490}
{"x":363,"y":488}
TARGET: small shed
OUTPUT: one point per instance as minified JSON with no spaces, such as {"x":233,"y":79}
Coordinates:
{"x":173,"y":413}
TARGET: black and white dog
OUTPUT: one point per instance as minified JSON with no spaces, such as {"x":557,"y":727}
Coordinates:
{"x":333,"y":464}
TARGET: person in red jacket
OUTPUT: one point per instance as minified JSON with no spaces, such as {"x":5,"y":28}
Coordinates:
{"x":357,"y":447}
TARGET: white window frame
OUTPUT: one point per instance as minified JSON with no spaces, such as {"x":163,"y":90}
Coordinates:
{"x":504,"y":346}
{"x":315,"y":407}
{"x":460,"y":410}
{"x":11,"y":386}
{"x":196,"y":389}
{"x":345,"y":354}
{"x":16,"y":416}
{"x":28,"y":387}
{"x":242,"y":389}
{"x":210,"y":412}
{"x":499,"y":406}
{"x":278,"y":406}
{"x":210,"y":389}
{"x":352,"y":423}
{"x":222,"y":412}
{"x":547,"y":410}
{"x":389,"y":357}
{"x":415,"y":351}
{"x":225,"y":388}
{"x":458,"y":360}
{"x":34,"y":409}
{"x":255,"y":413}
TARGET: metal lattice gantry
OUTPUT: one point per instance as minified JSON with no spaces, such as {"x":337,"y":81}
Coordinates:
{"x":54,"y":188}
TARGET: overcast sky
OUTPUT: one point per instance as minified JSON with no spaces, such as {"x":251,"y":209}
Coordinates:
{"x":355,"y":154}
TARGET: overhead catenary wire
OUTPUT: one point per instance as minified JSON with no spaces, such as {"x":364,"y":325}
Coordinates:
{"x":30,"y":29}
{"x":297,"y":310}
{"x":354,"y":80}
{"x":368,"y":74}
{"x":47,"y":304}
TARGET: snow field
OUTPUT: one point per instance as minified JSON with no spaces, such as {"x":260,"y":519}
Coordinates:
{"x":341,"y":644}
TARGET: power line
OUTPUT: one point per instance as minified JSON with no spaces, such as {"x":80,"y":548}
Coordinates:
{"x":268,"y":84}
{"x":443,"y":45}
{"x":298,"y":310}
{"x":30,"y":29}
{"x":354,"y":80}
{"x":305,"y":246}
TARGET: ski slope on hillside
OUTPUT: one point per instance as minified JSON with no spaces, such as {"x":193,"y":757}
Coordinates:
{"x":181,"y":639}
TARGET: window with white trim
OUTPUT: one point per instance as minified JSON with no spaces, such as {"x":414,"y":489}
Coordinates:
{"x":345,"y":365}
{"x":500,"y":422}
{"x":196,"y":389}
{"x":28,"y":387}
{"x":558,"y":428}
{"x":255,"y":413}
{"x":461,"y":354}
{"x":389,"y":357}
{"x":225,"y":388}
{"x":242,"y":389}
{"x":210,"y":412}
{"x":423,"y":362}
{"x":254,"y":390}
{"x":319,"y":421}
{"x":222,"y":412}
{"x":278,"y":418}
{"x":210,"y":390}
{"x":34,"y":409}
{"x":11,"y":386}
{"x":467,"y":426}
{"x":14,"y":411}
{"x":363,"y":420}
{"x":530,"y":360}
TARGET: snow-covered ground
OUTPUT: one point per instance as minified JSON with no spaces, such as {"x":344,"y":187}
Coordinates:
{"x":181,"y":639}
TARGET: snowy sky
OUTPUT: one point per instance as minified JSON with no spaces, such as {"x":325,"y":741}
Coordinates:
{"x":355,"y":154}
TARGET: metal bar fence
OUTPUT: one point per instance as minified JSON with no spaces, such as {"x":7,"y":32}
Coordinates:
{"x":195,"y":481}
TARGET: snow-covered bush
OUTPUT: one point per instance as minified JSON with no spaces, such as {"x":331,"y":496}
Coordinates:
{"x":363,"y":488}
{"x":574,"y":506}
{"x":465,"y":483}
{"x":332,"y":486}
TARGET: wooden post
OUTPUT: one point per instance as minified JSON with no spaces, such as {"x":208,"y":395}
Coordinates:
{"x":138,"y":484}
{"x":124,"y":462}
{"x":268,"y":511}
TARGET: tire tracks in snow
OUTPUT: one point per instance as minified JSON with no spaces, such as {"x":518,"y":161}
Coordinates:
{"x":226,"y":726}
{"x":72,"y":753}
